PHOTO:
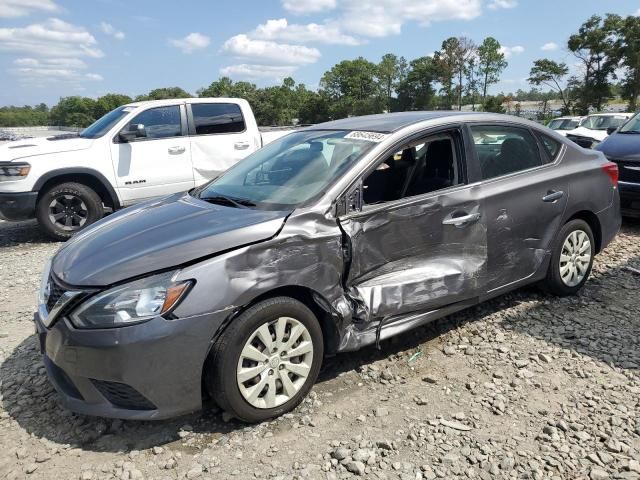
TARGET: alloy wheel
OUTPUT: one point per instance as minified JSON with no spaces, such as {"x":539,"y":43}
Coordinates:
{"x":68,"y":212}
{"x":275,"y":363}
{"x":575,"y":258}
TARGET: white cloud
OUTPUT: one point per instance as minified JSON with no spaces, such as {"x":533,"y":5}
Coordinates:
{"x":110,"y":30}
{"x":21,"y":8}
{"x":53,"y":39}
{"x":280,"y":29}
{"x":495,"y":4}
{"x":271,"y":72}
{"x":380,"y":18}
{"x":510,"y":51}
{"x":52,"y":70}
{"x":549,"y":47}
{"x":94,"y":76}
{"x":637,"y":14}
{"x":304,"y":7}
{"x":270,"y":52}
{"x":74,"y":63}
{"x":192,"y":42}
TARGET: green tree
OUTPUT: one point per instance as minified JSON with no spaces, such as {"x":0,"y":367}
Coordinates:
{"x":493,"y":104}
{"x":626,"y":50}
{"x":391,"y":71}
{"x":74,"y":112}
{"x":108,"y":102}
{"x":594,"y":46}
{"x":552,"y":74}
{"x":352,"y":88}
{"x":416,"y":91}
{"x":446,"y":67}
{"x":491,"y":64}
{"x":164,"y":93}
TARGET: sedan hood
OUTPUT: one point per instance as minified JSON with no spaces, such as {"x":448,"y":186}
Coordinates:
{"x":587,"y":132}
{"x":621,"y":146}
{"x":159,"y":235}
{"x":42,"y":146}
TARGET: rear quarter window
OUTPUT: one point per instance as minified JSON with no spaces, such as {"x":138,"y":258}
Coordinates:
{"x":550,"y":145}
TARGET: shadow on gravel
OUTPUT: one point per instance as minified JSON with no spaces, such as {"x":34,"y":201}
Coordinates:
{"x":596,"y":323}
{"x":13,"y":233}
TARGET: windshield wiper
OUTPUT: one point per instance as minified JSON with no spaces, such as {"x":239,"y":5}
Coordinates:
{"x":236,"y":202}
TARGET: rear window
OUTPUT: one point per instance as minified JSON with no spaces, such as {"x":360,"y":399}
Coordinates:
{"x":212,"y":118}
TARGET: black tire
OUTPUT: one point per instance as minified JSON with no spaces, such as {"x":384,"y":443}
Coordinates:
{"x":80,"y":204}
{"x":554,"y":282}
{"x":222,"y":363}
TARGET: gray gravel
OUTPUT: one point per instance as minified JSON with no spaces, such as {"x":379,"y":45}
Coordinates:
{"x":526,"y":386}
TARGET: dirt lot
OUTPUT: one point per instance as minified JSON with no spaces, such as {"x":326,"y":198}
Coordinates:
{"x":526,"y":386}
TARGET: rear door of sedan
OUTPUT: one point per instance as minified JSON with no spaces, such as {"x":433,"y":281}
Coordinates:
{"x":523,"y":190}
{"x":416,"y":237}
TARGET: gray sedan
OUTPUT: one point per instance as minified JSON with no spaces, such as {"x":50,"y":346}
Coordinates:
{"x":332,"y":238}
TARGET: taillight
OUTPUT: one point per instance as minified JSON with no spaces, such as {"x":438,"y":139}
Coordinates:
{"x":611,"y":169}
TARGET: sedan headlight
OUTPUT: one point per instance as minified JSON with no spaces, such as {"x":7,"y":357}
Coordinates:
{"x":14,"y":171}
{"x":131,"y":303}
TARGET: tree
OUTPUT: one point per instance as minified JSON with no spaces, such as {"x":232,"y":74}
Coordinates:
{"x":472,"y":74}
{"x":593,"y":45}
{"x":493,"y":104}
{"x":552,"y":74}
{"x":108,"y":102}
{"x":164,"y":93}
{"x":391,"y":71}
{"x":74,"y":112}
{"x":352,"y":88}
{"x":464,"y":54}
{"x":416,"y":91}
{"x":446,"y":67}
{"x":491,"y":64}
{"x":626,"y":50}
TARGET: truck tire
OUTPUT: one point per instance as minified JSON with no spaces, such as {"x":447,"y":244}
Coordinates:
{"x":65,"y":209}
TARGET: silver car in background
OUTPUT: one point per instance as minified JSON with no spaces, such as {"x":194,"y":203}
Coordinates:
{"x":332,"y":238}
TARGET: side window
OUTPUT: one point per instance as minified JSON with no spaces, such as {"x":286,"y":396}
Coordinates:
{"x":210,"y":118}
{"x":161,"y":122}
{"x":551,"y":146}
{"x":503,"y":150}
{"x":417,"y":168}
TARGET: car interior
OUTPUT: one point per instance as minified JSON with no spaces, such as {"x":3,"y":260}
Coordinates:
{"x":415,"y":170}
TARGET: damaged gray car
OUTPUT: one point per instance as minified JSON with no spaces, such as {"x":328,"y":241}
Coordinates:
{"x":332,"y":238}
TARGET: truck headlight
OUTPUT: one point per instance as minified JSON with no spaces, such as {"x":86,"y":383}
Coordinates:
{"x":14,"y":171}
{"x":131,"y":303}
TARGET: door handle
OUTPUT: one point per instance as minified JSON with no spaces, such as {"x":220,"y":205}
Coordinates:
{"x":552,"y":196}
{"x":241,"y":145}
{"x":457,"y":221}
{"x":176,"y":150}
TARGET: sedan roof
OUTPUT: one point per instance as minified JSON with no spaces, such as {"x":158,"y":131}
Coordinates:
{"x":392,"y":122}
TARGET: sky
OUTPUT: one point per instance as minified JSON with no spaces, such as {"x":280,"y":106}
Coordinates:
{"x":55,"y":48}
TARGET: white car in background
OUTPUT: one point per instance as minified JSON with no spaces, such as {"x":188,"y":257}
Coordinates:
{"x":595,"y":128}
{"x":562,"y":124}
{"x":136,"y":152}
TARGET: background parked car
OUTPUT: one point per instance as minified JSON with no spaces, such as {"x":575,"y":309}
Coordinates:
{"x":623,"y":148}
{"x":561,"y":124}
{"x":595,"y":128}
{"x":135,"y":152}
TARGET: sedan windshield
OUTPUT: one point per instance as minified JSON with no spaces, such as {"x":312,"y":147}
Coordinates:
{"x":104,"y":123}
{"x":602,"y":122}
{"x":563,"y":124}
{"x":288,"y":172}
{"x":632,"y":126}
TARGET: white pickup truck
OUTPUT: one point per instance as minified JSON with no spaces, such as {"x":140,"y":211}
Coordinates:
{"x":133,"y":153}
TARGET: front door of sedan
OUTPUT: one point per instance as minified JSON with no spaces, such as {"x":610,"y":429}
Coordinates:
{"x":524,"y":195}
{"x":418,"y":242}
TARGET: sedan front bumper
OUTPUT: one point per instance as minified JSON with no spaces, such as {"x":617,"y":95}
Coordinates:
{"x":630,"y":198}
{"x":148,"y":371}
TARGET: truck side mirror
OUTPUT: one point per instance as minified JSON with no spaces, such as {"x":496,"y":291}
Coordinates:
{"x":610,"y":130}
{"x":135,"y":130}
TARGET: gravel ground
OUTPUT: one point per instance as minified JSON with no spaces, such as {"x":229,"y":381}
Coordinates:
{"x":525,"y":386}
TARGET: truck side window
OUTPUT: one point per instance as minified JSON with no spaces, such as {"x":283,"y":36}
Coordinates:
{"x":161,"y":122}
{"x":211,"y":118}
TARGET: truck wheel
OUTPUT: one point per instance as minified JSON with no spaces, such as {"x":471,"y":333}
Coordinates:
{"x":571,"y":260}
{"x":67,"y":208}
{"x":266,"y":361}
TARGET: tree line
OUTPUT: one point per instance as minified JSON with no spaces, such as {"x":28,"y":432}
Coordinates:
{"x":459,"y":74}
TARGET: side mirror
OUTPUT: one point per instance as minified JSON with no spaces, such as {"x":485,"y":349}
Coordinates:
{"x":610,"y":130}
{"x":135,"y":130}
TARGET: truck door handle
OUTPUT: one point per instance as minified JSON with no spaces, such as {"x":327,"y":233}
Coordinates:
{"x":458,"y":221}
{"x":552,"y":196}
{"x":241,"y":145}
{"x":176,"y":150}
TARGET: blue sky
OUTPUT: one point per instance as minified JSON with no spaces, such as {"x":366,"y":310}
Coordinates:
{"x":54,"y":48}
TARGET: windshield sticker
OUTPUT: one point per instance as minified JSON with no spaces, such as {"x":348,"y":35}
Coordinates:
{"x":368,"y":136}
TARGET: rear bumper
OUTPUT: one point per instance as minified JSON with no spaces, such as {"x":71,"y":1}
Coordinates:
{"x":630,"y":198}
{"x":18,"y":206}
{"x":610,"y":221}
{"x":148,"y":371}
